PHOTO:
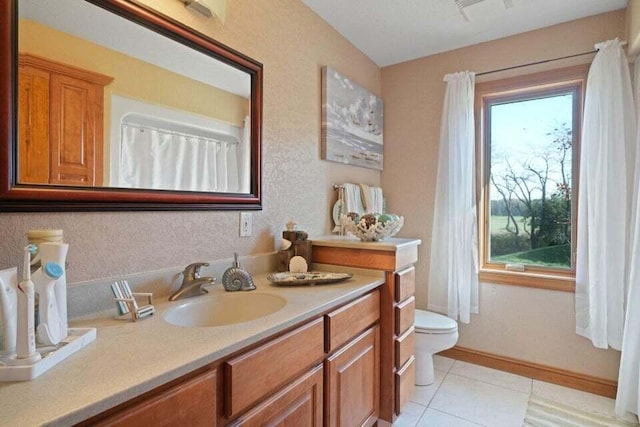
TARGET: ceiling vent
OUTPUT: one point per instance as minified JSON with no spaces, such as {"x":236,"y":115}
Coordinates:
{"x":472,"y":10}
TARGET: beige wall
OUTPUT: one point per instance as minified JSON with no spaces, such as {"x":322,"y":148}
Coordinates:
{"x":293,"y":43}
{"x":530,"y":324}
{"x":633,"y":27}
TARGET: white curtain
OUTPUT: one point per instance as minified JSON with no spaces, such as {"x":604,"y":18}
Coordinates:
{"x":159,"y":159}
{"x":604,"y":200}
{"x":453,"y":276}
{"x":628,"y":398}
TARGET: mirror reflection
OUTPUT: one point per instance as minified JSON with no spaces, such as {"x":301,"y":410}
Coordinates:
{"x":104,"y":102}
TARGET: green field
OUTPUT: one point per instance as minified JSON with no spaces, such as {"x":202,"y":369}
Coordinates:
{"x":552,"y":256}
{"x":498,"y":224}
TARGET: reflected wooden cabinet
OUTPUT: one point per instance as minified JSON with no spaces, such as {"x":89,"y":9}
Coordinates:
{"x":60,"y":123}
{"x":33,"y":125}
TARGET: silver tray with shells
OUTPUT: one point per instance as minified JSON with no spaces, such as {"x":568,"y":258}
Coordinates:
{"x":310,"y":278}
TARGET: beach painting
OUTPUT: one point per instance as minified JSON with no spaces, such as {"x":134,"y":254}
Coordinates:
{"x":352,"y":119}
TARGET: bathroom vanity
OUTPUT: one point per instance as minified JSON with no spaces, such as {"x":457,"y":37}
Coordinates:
{"x":315,"y":361}
{"x":395,"y":257}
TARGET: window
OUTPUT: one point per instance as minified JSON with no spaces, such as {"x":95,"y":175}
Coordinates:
{"x":529,"y":130}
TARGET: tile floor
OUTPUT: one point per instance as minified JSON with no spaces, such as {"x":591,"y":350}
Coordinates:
{"x":471,"y":395}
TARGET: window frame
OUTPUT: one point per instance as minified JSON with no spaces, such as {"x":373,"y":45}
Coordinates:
{"x":524,"y":87}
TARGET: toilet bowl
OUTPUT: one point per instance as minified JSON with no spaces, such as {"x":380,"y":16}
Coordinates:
{"x":434,"y":333}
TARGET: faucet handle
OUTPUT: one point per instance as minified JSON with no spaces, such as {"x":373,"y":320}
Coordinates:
{"x":192,"y":271}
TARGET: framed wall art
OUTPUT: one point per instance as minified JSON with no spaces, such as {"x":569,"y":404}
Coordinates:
{"x":352,"y":122}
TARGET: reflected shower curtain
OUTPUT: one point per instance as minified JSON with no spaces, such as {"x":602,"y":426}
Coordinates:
{"x":628,"y":397}
{"x":244,"y":157}
{"x":606,"y":182}
{"x":162,"y":160}
{"x":453,"y":276}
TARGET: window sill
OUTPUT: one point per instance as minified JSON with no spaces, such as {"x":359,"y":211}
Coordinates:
{"x":529,"y":280}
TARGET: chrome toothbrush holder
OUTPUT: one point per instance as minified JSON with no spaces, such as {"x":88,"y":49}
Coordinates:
{"x":127,"y":304}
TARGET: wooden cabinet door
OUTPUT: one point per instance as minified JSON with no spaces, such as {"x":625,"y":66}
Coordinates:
{"x":353,"y":382}
{"x":76,"y":131}
{"x":192,"y":403}
{"x":60,"y":123}
{"x":297,"y":405}
{"x":33,"y":126}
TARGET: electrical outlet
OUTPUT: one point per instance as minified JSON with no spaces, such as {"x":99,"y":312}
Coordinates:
{"x":245,"y":224}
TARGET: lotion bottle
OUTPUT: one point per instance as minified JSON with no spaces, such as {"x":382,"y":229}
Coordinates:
{"x":56,"y":252}
{"x":48,"y":331}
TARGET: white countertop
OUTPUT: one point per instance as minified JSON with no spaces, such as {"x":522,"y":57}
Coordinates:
{"x":128,"y":359}
{"x":351,"y":242}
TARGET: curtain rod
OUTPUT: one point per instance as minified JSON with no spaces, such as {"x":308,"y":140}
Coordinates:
{"x":535,"y":63}
{"x":542,"y":62}
{"x":218,"y":138}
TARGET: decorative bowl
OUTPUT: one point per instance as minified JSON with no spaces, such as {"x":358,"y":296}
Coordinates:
{"x":372,"y":227}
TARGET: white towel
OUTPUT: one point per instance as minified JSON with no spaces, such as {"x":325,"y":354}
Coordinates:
{"x":377,"y":200}
{"x":373,"y":199}
{"x":365,"y":192}
{"x":352,"y":199}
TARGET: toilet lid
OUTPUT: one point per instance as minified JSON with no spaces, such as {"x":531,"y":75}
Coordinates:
{"x":434,"y":323}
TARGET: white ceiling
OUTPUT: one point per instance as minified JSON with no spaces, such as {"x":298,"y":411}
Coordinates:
{"x":393,"y":31}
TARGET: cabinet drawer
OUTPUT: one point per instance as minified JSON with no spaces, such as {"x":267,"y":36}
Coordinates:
{"x":405,"y":347}
{"x":348,"y":321}
{"x":262,"y":371}
{"x":405,"y":384}
{"x":191,"y":403}
{"x":405,"y":315}
{"x":405,"y":284}
{"x":299,"y":404}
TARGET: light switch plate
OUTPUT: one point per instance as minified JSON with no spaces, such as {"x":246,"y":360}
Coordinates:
{"x":245,"y":224}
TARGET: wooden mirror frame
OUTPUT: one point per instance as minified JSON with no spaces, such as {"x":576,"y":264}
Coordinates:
{"x":15,"y":197}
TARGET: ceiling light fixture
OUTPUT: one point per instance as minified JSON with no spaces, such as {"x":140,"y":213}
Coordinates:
{"x":198,"y":6}
{"x":208,"y":8}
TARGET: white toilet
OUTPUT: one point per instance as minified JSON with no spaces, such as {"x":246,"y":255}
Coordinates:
{"x":434,"y":333}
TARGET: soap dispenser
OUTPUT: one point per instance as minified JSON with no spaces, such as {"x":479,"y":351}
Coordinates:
{"x":237,"y":279}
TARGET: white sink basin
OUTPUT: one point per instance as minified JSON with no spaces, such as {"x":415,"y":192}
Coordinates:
{"x":224,"y":309}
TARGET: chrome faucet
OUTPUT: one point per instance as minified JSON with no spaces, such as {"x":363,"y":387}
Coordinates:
{"x":192,"y":283}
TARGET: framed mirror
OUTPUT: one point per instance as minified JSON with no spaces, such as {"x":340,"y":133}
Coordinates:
{"x":110,"y":105}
